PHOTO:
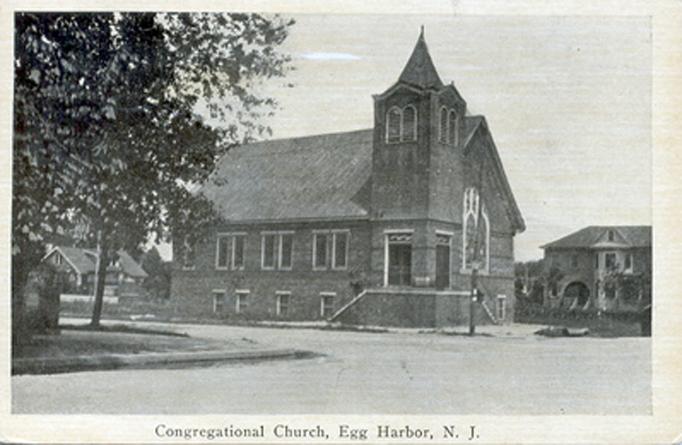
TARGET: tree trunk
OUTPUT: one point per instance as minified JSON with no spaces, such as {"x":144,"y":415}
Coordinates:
{"x":100,"y":277}
{"x":20,"y":271}
{"x":23,"y":262}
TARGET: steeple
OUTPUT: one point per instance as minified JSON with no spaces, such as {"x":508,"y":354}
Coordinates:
{"x":419,"y":70}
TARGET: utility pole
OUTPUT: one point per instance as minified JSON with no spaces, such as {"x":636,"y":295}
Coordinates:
{"x":99,"y":282}
{"x":475,"y":263}
{"x":472,"y":307}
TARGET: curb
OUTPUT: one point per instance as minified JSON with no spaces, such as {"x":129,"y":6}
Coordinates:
{"x":55,"y":365}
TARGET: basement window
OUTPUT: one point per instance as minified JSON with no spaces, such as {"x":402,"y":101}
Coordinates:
{"x":282,"y":302}
{"x":241,"y":301}
{"x":218,"y":301}
{"x":501,"y":307}
{"x":327,"y":304}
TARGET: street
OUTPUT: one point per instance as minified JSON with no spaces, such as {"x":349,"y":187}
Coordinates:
{"x":362,"y":373}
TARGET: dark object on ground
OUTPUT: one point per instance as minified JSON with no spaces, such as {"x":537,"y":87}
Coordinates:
{"x":645,"y":321}
{"x":122,"y":329}
{"x":353,"y":328}
{"x":562,"y":331}
{"x":600,"y":323}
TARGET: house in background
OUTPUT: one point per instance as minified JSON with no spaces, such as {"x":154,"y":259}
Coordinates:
{"x":124,"y":275}
{"x":587,"y":257}
{"x":375,"y":226}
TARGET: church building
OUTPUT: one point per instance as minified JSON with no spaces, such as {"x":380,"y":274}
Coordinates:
{"x":382,"y":226}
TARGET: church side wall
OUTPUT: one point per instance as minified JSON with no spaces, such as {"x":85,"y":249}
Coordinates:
{"x":192,"y":290}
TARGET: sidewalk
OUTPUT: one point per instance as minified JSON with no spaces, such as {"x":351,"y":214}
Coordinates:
{"x":54,"y":365}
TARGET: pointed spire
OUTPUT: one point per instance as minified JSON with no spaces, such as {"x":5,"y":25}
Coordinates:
{"x":419,"y":70}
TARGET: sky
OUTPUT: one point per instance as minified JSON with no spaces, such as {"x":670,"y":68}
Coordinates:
{"x":567,"y":98}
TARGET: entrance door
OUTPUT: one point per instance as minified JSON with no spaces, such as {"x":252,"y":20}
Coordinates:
{"x":399,"y":264}
{"x":442,"y":266}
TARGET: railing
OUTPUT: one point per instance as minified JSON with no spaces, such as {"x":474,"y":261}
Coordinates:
{"x":343,"y":309}
{"x":489,"y":313}
{"x":487,"y":310}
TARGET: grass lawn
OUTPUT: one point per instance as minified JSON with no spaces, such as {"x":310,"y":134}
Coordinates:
{"x":81,"y":342}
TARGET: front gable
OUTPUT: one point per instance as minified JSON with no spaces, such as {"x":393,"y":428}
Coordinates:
{"x":57,"y":259}
{"x":492,"y":180}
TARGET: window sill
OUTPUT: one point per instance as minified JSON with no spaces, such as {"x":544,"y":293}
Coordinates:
{"x":469,"y":271}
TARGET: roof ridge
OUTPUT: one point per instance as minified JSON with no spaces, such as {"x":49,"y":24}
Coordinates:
{"x":307,"y":136}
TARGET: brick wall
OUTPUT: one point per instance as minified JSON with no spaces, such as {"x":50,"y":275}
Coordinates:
{"x":413,"y":308}
{"x":192,"y":290}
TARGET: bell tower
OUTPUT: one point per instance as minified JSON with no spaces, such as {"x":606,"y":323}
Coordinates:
{"x":403,"y":135}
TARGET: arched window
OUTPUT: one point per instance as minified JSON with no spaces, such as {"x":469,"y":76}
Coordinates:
{"x":393,"y":121}
{"x":475,"y":230}
{"x":452,"y":127}
{"x":443,"y":129}
{"x":409,"y":123}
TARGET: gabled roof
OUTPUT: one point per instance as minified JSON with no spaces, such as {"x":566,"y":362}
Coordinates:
{"x":78,"y":258}
{"x":472,"y":125}
{"x":129,"y":266}
{"x":594,"y":237}
{"x":307,"y":178}
{"x":85,"y":261}
{"x":314,"y":177}
{"x":420,"y":70}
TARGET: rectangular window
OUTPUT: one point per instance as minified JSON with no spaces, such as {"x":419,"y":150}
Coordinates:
{"x":610,"y":260}
{"x":628,"y":261}
{"x":330,"y":249}
{"x":222,"y":244}
{"x":574,"y":261}
{"x":238,"y":252}
{"x":277,"y":250}
{"x":286,"y":242}
{"x":340,"y":250}
{"x":283,"y":299}
{"x":241,"y":301}
{"x":320,"y":251}
{"x":268,"y":260}
{"x":501,"y":307}
{"x":218,"y":301}
{"x":596,"y":261}
{"x":58,"y":259}
{"x":326,"y":305}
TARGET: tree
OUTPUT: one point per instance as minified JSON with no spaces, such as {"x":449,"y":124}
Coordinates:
{"x":527,"y":282}
{"x":631,"y":288}
{"x":107,"y":130}
{"x":157,"y":283}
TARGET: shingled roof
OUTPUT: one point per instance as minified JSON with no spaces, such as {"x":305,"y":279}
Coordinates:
{"x":419,"y":70}
{"x":592,"y":236}
{"x":315,"y":177}
{"x":322,"y":176}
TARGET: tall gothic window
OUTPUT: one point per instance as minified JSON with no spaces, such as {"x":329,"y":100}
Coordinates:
{"x":476,"y":230}
{"x":393,"y":121}
{"x":452,"y":127}
{"x":409,"y":123}
{"x":443,"y":128}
